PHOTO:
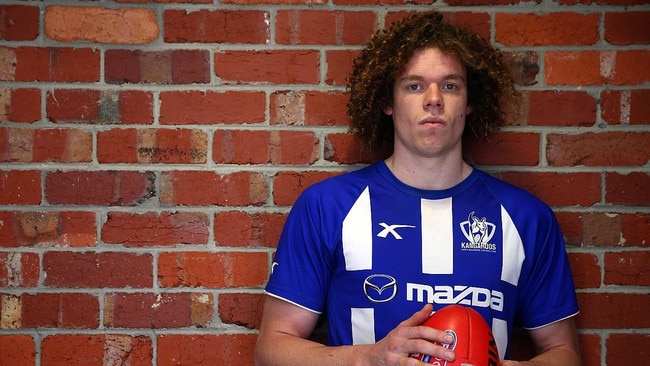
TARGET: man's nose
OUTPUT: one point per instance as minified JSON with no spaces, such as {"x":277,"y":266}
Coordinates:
{"x":433,"y":97}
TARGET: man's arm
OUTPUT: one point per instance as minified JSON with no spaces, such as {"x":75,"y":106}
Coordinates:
{"x":556,"y":343}
{"x":285,"y":327}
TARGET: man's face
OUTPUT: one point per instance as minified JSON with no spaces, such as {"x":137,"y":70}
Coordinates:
{"x":429,"y":105}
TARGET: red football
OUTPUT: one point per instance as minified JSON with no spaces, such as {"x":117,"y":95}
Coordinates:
{"x":473,"y":341}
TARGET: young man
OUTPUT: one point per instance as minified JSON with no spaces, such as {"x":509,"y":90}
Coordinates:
{"x":380,"y":248}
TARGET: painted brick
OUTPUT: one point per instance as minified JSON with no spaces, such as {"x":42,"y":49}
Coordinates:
{"x":22,"y":348}
{"x":199,"y":188}
{"x":627,"y":268}
{"x":628,"y":189}
{"x":310,"y":108}
{"x":19,"y":23}
{"x":273,"y":66}
{"x":197,"y":107}
{"x":559,"y":189}
{"x":60,"y":310}
{"x":504,"y":148}
{"x":625,"y":106}
{"x":101,"y":25}
{"x":212,"y":270}
{"x":241,"y":229}
{"x":263,"y":147}
{"x":324,"y":27}
{"x":169,"y":146}
{"x":242,"y":309}
{"x":103,"y":188}
{"x":67,"y":65}
{"x":627,"y":349}
{"x":158,"y":67}
{"x":569,"y":108}
{"x":20,"y":105}
{"x":586,"y":270}
{"x":97,"y":269}
{"x":19,"y":269}
{"x":628,"y":307}
{"x":206,"y":349}
{"x":598,"y":149}
{"x":558,"y":29}
{"x":223,"y":26}
{"x":20,"y":187}
{"x":47,"y":229}
{"x":155,"y":229}
{"x":289,"y":184}
{"x":147,"y":310}
{"x":629,"y":27}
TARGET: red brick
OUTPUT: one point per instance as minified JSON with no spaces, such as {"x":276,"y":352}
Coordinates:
{"x":635,"y":229}
{"x":603,"y":2}
{"x":159,"y":67}
{"x":202,"y":188}
{"x":223,"y":26}
{"x":557,"y":29}
{"x":627,"y":349}
{"x":43,"y":229}
{"x":20,"y":187}
{"x":478,"y":22}
{"x":339,"y":65}
{"x":212,"y":270}
{"x":19,"y":23}
{"x":523,"y":65}
{"x":20,"y":105}
{"x":273,"y":67}
{"x":627,"y":268}
{"x":344,"y":148}
{"x":197,"y":107}
{"x":64,"y":64}
{"x":310,"y":108}
{"x":559,"y":189}
{"x":19,"y":269}
{"x":324,"y":27}
{"x":155,"y":229}
{"x":136,"y":107}
{"x":23,"y":350}
{"x":51,"y":145}
{"x":624,"y":312}
{"x":625,"y":106}
{"x":586,"y":270}
{"x":573,"y":68}
{"x":504,"y":148}
{"x":101,"y":270}
{"x":60,"y":310}
{"x":590,"y":349}
{"x":147,"y":310}
{"x":180,"y":146}
{"x":73,"y":105}
{"x":487,"y":2}
{"x":568,"y":108}
{"x":629,"y":27}
{"x":101,"y":25}
{"x":288,"y":185}
{"x":241,"y":229}
{"x":628,"y":189}
{"x":627,"y":67}
{"x":206,"y":349}
{"x":99,"y":188}
{"x":263,"y":147}
{"x":242,"y":309}
{"x":598,"y":149}
{"x":104,"y":349}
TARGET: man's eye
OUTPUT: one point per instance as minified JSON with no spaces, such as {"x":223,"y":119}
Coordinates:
{"x":450,"y":86}
{"x":413,"y":87}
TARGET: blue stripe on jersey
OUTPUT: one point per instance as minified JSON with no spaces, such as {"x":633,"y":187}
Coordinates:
{"x":370,"y":251}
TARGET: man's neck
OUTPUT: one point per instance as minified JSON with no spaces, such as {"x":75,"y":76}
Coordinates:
{"x":429,"y":173}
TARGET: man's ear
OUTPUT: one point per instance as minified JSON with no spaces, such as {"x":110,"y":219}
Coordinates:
{"x":468,"y":109}
{"x":388,"y":110}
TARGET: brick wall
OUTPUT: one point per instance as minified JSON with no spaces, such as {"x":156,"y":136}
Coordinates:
{"x":150,"y":150}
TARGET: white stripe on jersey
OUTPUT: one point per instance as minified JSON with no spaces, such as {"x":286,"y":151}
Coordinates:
{"x":363,"y":325}
{"x":437,"y":236}
{"x":513,"y":250}
{"x":357,"y":234}
{"x":500,"y":333}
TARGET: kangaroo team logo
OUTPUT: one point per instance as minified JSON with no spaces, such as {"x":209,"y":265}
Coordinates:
{"x":478,"y":232}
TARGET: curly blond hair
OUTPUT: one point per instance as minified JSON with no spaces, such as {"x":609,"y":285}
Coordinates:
{"x":490,"y":85}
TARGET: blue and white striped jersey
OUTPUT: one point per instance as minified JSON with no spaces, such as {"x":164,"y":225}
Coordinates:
{"x":370,"y":251}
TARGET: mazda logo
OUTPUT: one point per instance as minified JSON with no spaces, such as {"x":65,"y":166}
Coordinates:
{"x":380,"y":287}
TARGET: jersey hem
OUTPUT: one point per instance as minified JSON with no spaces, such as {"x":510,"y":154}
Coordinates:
{"x":553,"y":322}
{"x":292,"y":302}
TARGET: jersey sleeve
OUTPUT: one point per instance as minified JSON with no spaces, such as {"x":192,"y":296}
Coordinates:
{"x":301,"y":267}
{"x":548,"y":294}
